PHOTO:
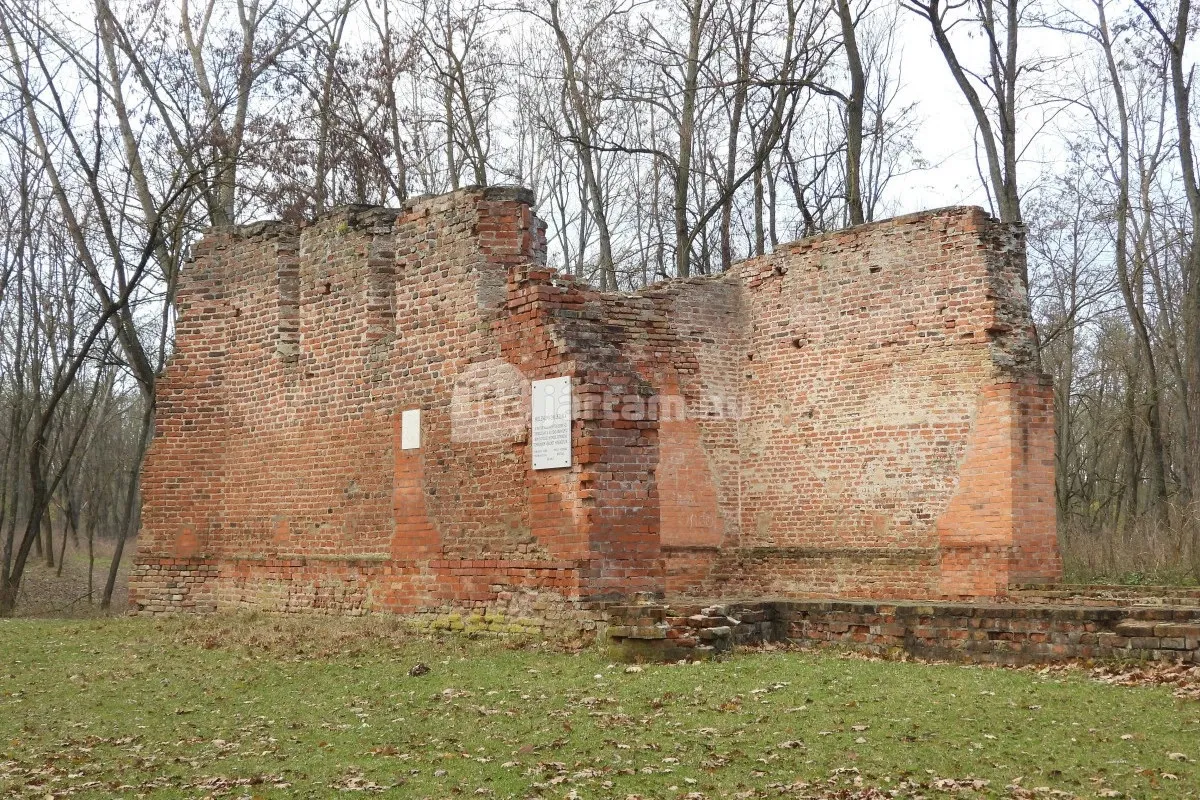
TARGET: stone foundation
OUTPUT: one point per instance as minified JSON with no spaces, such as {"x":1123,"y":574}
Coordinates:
{"x":657,"y":632}
{"x":472,"y":597}
{"x":985,"y":634}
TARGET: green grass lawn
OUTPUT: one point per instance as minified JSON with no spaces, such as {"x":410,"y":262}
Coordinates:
{"x":267,"y":707}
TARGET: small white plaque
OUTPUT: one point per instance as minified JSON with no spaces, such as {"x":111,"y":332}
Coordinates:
{"x":552,"y":423}
{"x":410,"y":429}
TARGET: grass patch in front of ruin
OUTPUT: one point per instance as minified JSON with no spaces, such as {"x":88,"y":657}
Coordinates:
{"x":270,"y":707}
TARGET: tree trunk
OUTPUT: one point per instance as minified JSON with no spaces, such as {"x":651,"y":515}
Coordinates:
{"x":854,"y":114}
{"x":583,"y":130}
{"x":131,"y":513}
{"x":91,"y":542}
{"x":48,"y":533}
{"x":8,"y":597}
{"x":760,"y":234}
{"x":1128,"y":509}
{"x":687,"y":132}
{"x":62,"y":553}
{"x":1001,"y":160}
{"x":745,"y":46}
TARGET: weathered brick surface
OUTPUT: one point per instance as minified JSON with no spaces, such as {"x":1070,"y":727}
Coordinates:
{"x":856,"y":415}
{"x":893,"y":410}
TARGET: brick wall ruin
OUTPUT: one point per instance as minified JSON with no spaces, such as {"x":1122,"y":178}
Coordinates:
{"x":856,"y":415}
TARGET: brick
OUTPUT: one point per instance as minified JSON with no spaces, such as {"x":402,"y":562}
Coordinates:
{"x":719,"y":632}
{"x":895,"y":361}
{"x":1174,"y":630}
{"x":1135,"y":628}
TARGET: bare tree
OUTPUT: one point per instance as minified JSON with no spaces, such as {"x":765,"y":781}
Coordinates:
{"x":581,"y":112}
{"x":1175,"y":35}
{"x":115,"y":249}
{"x":998,"y":25}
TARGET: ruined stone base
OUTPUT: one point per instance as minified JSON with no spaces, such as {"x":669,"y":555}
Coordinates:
{"x":538,"y":600}
{"x":986,"y":634}
{"x":528,"y":614}
{"x":1033,"y":625}
{"x":648,"y":631}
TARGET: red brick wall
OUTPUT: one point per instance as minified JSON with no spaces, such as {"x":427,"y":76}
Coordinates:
{"x":858,"y":414}
{"x":895,"y":433}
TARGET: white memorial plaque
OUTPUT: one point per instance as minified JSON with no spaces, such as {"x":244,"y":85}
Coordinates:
{"x":410,"y":429}
{"x":552,"y":423}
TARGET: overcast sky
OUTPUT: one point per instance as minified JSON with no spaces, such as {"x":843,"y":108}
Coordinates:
{"x":947,"y":131}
